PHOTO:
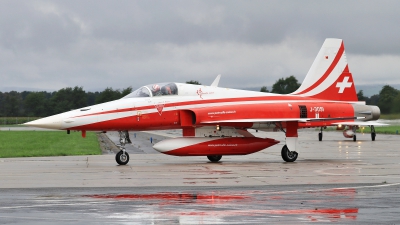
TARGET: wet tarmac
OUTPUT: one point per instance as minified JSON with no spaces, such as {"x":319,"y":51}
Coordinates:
{"x":361,"y":204}
{"x":333,"y":181}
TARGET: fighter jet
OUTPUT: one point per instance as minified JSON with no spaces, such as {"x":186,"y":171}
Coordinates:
{"x":215,"y":120}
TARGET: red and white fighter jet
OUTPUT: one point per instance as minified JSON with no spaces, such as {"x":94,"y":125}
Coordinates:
{"x":214,"y":120}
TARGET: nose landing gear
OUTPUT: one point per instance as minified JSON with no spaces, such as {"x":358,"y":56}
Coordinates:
{"x":122,"y":157}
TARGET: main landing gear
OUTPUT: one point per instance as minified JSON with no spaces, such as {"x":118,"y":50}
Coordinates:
{"x":354,"y":134}
{"x":354,"y":131}
{"x":214,"y":158}
{"x":287,"y":155}
{"x":291,"y":141}
{"x":373,"y":133}
{"x":122,"y":157}
{"x":320,"y":135}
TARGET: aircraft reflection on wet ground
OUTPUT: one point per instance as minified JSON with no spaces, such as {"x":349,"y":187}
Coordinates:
{"x":203,"y":205}
{"x":228,"y":207}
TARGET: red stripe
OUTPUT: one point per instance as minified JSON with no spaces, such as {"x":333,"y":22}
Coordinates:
{"x":328,"y":71}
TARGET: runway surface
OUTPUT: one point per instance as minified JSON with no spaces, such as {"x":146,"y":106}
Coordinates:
{"x":336,"y":180}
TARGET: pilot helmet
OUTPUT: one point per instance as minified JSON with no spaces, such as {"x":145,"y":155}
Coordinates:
{"x":155,"y":88}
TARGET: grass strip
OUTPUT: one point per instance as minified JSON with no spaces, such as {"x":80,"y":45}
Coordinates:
{"x":392,"y":129}
{"x":394,"y":116}
{"x":47,"y":143}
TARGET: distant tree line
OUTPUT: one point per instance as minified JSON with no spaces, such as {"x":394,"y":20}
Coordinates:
{"x":193,"y":82}
{"x":283,"y":86}
{"x":388,"y":99}
{"x":42,"y":103}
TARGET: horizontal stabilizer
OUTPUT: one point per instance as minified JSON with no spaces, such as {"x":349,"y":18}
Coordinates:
{"x":261,"y":120}
{"x":255,"y":120}
{"x":362,"y":123}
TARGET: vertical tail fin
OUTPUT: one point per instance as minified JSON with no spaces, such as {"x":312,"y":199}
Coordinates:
{"x":329,"y":76}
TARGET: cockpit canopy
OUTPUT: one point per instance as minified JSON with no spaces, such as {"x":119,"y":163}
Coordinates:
{"x":154,"y":90}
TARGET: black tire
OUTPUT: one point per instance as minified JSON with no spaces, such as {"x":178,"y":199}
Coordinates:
{"x":354,"y":138}
{"x":121,"y":158}
{"x":320,"y":136}
{"x":287,"y":155}
{"x":373,"y":135}
{"x":214,"y":158}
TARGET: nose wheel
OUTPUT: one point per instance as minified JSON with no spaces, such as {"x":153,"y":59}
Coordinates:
{"x":122,"y":157}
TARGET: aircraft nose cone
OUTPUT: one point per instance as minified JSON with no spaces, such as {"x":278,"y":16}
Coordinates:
{"x":51,"y":122}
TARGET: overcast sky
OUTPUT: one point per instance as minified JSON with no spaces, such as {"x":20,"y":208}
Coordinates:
{"x":49,"y":45}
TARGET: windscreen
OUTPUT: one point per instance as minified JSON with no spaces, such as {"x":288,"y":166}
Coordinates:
{"x":139,"y":93}
{"x":154,"y":90}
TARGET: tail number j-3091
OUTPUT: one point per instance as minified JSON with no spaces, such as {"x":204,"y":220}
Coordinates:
{"x":316,"y":109}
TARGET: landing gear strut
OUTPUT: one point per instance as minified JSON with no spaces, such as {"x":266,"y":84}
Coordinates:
{"x":287,"y":155}
{"x":373,"y":134}
{"x":320,"y":135}
{"x":291,"y":141}
{"x":214,"y":158}
{"x":122,"y":156}
{"x":354,"y":131}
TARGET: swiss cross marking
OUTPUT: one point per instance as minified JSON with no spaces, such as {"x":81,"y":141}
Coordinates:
{"x":344,"y":84}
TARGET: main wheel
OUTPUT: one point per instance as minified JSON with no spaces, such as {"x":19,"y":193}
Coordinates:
{"x":121,"y":158}
{"x":373,"y":135}
{"x":320,"y":136}
{"x":287,"y":155}
{"x":354,"y":138}
{"x":214,"y":158}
